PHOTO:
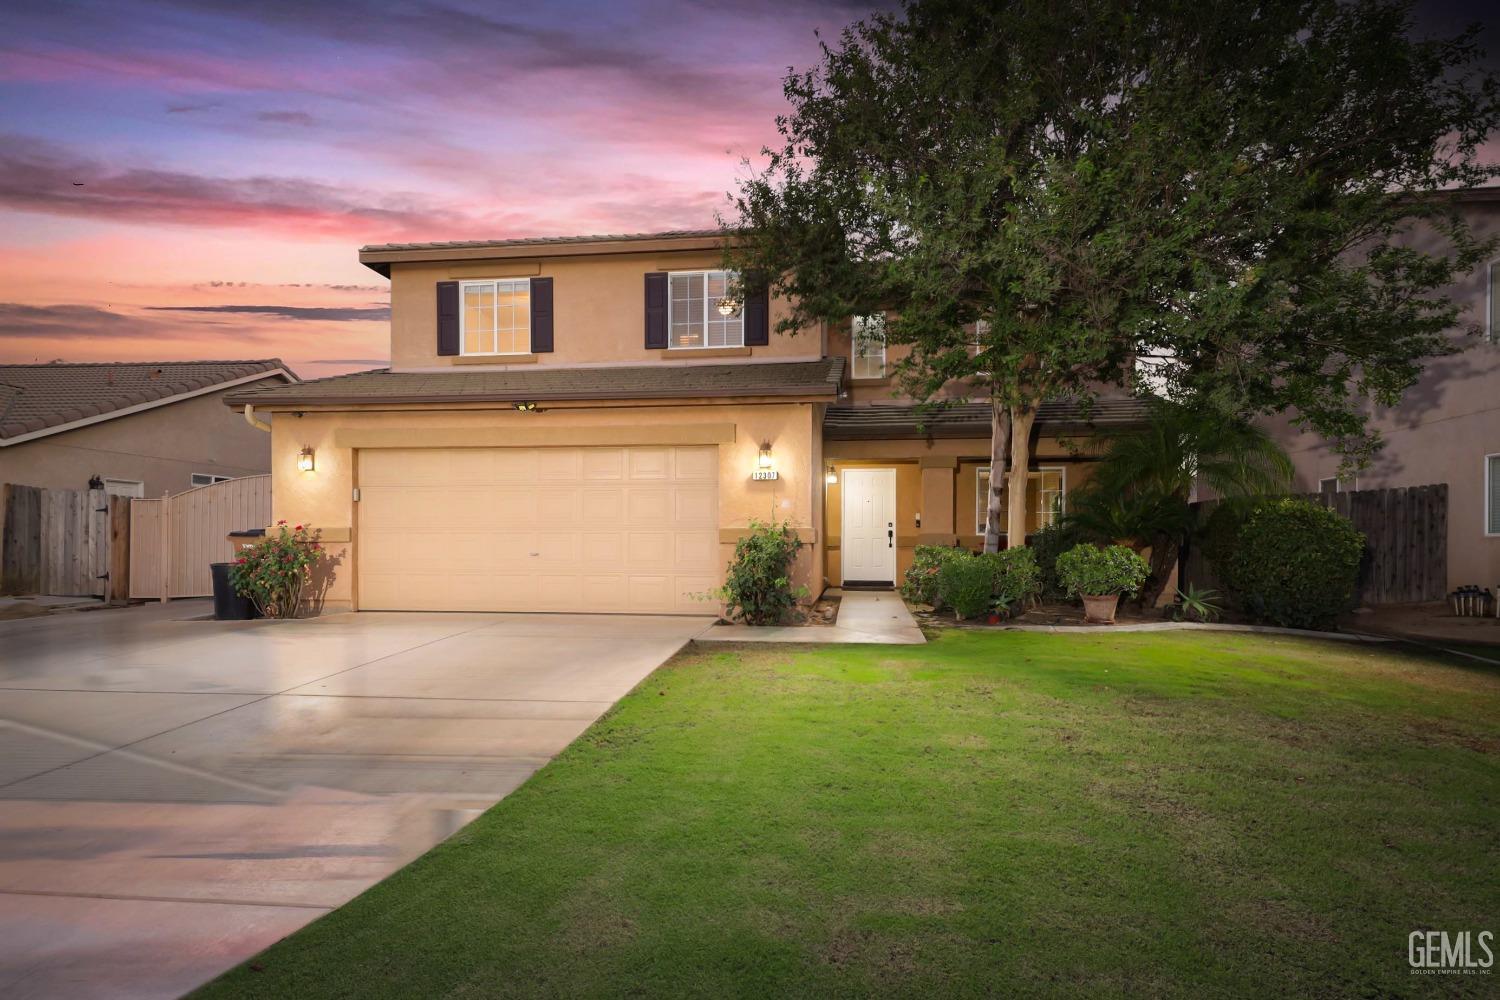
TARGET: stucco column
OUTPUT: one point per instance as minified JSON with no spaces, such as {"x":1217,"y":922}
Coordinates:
{"x":938,"y":475}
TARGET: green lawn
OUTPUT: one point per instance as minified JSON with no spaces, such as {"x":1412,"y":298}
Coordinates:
{"x":1183,"y":814}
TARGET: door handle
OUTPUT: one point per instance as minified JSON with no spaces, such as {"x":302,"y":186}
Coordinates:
{"x":890,"y":537}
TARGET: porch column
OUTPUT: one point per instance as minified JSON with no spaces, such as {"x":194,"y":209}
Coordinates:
{"x":938,"y":475}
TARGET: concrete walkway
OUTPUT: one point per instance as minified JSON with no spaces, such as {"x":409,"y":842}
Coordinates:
{"x":177,"y":793}
{"x":864,"y":616}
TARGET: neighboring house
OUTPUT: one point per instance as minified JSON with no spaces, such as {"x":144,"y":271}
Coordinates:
{"x":587,"y":424}
{"x":141,"y":429}
{"x":1447,"y":427}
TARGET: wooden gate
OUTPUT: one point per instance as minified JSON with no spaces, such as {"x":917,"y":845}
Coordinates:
{"x":70,"y":543}
{"x":173,"y":540}
{"x":1406,"y":542}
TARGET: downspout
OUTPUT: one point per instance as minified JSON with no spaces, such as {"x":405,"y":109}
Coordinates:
{"x":254,"y":421}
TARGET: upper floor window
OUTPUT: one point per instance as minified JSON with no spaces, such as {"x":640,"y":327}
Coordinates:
{"x":496,"y":316}
{"x":1335,"y":484}
{"x":701,"y":312}
{"x":1492,"y":302}
{"x":206,"y":479}
{"x":868,"y":335}
{"x":976,"y":339}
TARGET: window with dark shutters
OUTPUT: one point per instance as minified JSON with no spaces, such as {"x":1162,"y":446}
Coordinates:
{"x":447,"y":318}
{"x":656,"y":310}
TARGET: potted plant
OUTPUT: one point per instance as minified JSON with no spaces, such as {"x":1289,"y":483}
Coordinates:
{"x":1099,"y":576}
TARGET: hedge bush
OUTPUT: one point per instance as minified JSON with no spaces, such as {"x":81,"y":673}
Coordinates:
{"x":1285,"y":561}
{"x":1095,"y":571}
{"x":920,"y":584}
{"x":1046,"y":545}
{"x":1015,"y":578}
{"x":758,"y":587}
{"x":967,"y":585}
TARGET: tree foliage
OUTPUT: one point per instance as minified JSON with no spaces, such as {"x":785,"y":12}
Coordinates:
{"x":1226,"y":190}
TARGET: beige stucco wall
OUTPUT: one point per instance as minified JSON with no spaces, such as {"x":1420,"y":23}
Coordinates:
{"x":1440,"y":432}
{"x":323,"y":498}
{"x":161,"y":447}
{"x":598,"y":310}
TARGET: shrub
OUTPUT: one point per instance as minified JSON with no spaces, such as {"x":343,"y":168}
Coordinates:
{"x":273,"y":573}
{"x":1286,"y":561}
{"x":1047,"y":544}
{"x":1014,"y":576}
{"x":920,"y":584}
{"x":758,"y":587}
{"x":1089,"y":570}
{"x":967,"y":585}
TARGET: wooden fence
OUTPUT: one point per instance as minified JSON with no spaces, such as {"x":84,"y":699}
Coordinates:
{"x":71,"y":543}
{"x":174,"y":539}
{"x":1406,"y":543}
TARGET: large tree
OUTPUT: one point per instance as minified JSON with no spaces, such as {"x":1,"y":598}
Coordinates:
{"x":1220,"y":188}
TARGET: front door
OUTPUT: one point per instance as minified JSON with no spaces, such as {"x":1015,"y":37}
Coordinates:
{"x":868,"y":546}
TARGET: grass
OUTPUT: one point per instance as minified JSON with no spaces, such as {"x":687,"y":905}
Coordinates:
{"x":1177,"y":814}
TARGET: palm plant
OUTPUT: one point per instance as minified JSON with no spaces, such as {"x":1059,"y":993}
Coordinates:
{"x":1141,"y":490}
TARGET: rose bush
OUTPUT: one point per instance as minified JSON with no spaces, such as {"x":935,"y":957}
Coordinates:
{"x":273,"y":573}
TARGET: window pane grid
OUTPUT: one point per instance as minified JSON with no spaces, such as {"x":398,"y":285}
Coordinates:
{"x":1046,"y":495}
{"x":868,"y":334}
{"x":693,"y":305}
{"x":1492,"y":494}
{"x":497,"y":317}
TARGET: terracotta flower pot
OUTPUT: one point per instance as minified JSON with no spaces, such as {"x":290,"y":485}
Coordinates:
{"x":1100,"y":609}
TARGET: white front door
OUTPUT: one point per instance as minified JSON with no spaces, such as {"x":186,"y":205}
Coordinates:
{"x":868,"y":547}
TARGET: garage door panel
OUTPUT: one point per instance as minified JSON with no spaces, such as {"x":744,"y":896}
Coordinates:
{"x":648,"y":464}
{"x":696,"y":465}
{"x":648,"y":507}
{"x":538,"y":529}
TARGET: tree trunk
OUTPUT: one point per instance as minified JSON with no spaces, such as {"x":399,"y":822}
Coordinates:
{"x":999,"y":454}
{"x":1021,"y":419}
{"x":1163,"y":559}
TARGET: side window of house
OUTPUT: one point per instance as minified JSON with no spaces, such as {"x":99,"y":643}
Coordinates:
{"x":868,"y":336}
{"x":1492,"y":302}
{"x":125,"y":488}
{"x":495,"y":316}
{"x":976,"y":339}
{"x":1046,"y":492}
{"x":1337,"y":485}
{"x":206,"y":479}
{"x":701,"y":312}
{"x":1492,"y":494}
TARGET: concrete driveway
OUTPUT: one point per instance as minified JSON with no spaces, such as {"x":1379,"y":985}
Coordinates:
{"x":178,"y":793}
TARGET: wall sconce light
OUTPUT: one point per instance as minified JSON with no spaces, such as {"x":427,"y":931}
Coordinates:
{"x":527,"y":407}
{"x":765,"y":455}
{"x":763,"y":467}
{"x":832,"y":477}
{"x":305,"y":459}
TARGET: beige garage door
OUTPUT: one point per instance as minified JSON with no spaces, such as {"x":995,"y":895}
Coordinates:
{"x":538,"y":529}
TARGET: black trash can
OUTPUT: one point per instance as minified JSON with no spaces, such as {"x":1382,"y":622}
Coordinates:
{"x":229,"y":606}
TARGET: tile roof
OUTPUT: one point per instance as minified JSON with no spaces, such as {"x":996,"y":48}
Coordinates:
{"x":36,"y":397}
{"x":972,"y":420}
{"x":541,"y":241}
{"x":823,"y":377}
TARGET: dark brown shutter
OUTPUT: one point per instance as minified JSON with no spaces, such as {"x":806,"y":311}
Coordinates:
{"x":541,"y":315}
{"x":447,"y":318}
{"x":758,"y":316}
{"x":656,"y":310}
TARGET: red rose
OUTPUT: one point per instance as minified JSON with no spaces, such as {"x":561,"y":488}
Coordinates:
{"x":297,"y":528}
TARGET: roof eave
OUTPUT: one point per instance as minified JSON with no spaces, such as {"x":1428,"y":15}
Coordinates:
{"x":270,"y":401}
{"x":380,"y":260}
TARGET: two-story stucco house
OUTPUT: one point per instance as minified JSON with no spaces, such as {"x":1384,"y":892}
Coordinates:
{"x":1447,"y":427}
{"x":589,"y":424}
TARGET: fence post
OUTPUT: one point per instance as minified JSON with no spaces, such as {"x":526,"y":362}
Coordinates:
{"x":166,"y":548}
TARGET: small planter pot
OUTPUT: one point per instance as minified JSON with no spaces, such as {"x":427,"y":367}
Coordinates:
{"x":1100,"y":609}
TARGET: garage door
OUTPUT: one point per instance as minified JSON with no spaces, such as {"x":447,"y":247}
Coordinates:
{"x":538,"y":529}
